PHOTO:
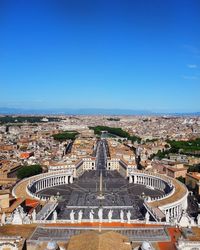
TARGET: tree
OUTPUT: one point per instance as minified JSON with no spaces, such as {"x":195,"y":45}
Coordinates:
{"x":181,"y":179}
{"x":115,"y":131}
{"x":194,"y":168}
{"x":27,"y":171}
{"x":65,"y":136}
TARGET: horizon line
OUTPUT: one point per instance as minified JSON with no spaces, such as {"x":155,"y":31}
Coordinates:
{"x":90,"y":111}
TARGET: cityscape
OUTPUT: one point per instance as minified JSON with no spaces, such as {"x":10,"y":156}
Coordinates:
{"x":135,"y":178}
{"x":100,"y":125}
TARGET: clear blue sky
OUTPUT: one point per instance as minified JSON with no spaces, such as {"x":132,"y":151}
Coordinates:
{"x":125,"y":54}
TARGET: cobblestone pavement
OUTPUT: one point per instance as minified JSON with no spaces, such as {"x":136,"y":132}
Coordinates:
{"x":118,"y":195}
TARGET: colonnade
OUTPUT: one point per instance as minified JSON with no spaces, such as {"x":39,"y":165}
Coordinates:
{"x":173,"y":212}
{"x":52,"y":181}
{"x":174,"y":207}
{"x":47,"y":181}
{"x":148,"y":180}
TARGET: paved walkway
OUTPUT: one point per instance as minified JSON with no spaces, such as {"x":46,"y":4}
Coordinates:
{"x":20,"y":190}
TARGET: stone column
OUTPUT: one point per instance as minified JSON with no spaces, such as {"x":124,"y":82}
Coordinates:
{"x":177,"y":215}
{"x":185,"y":204}
{"x":71,"y":179}
{"x":48,"y":181}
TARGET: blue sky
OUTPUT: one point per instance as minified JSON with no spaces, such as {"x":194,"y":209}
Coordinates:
{"x":122,"y":54}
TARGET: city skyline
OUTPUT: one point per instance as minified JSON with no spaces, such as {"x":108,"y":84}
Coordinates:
{"x":122,"y":55}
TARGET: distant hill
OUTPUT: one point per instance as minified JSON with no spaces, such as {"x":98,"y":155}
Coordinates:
{"x":85,"y":111}
{"x":67,"y":111}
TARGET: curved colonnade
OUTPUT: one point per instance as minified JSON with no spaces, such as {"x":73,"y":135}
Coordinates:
{"x":151,"y":180}
{"x":47,"y":180}
{"x":171,"y":204}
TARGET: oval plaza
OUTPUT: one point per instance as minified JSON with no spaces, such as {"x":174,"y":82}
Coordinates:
{"x":101,"y":190}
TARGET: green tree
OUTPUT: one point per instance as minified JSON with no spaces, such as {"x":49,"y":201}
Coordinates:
{"x":66,"y":135}
{"x":115,"y":131}
{"x":27,"y":171}
{"x":194,"y":168}
{"x":181,"y":179}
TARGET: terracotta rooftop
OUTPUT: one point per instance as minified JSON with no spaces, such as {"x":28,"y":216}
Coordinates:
{"x":195,"y":175}
{"x":196,"y":234}
{"x":17,"y":230}
{"x":176,"y":169}
{"x":14,"y":205}
{"x":93,"y":240}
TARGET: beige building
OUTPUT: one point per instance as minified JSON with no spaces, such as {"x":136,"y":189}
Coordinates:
{"x":192,"y":180}
{"x":4,"y":200}
{"x":121,"y":157}
{"x":176,"y":171}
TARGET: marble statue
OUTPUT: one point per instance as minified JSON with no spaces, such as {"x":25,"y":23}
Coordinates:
{"x":34,"y":215}
{"x":185,"y":219}
{"x":17,"y":217}
{"x":3,"y":218}
{"x":147,"y":216}
{"x":198,"y":220}
{"x":80,"y":215}
{"x":91,"y":215}
{"x":167,"y":218}
{"x":110,"y":214}
{"x":100,"y":214}
{"x":27,"y":219}
{"x":55,"y":215}
{"x":122,"y":216}
{"x":192,"y":222}
{"x":128,"y":216}
{"x":72,"y":216}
